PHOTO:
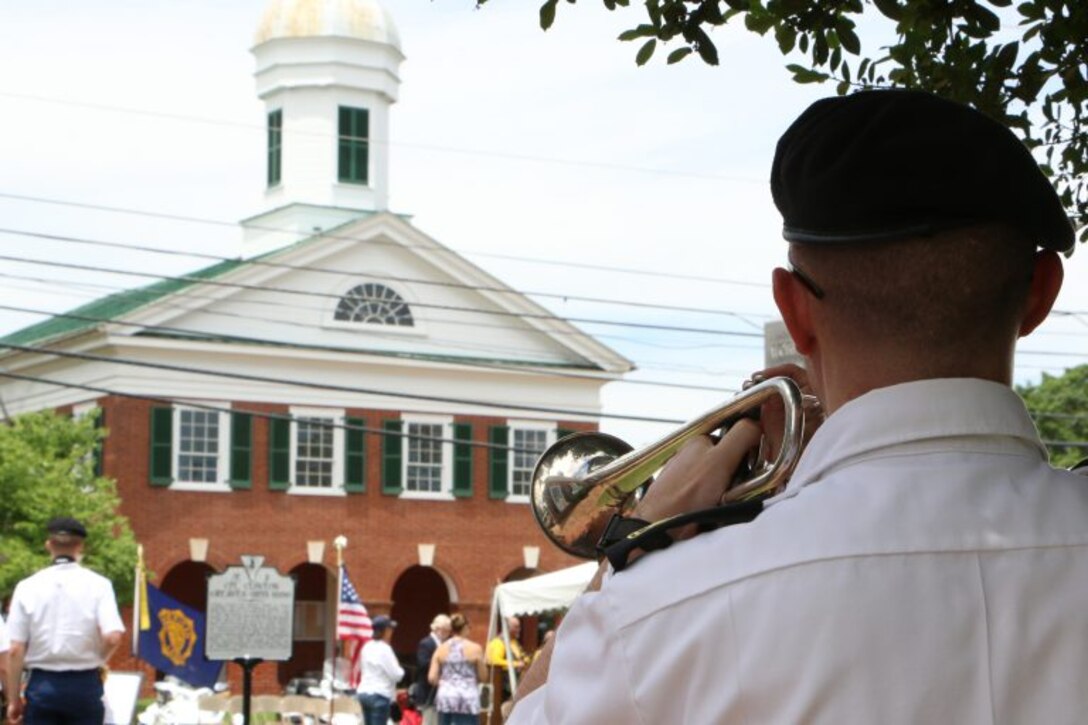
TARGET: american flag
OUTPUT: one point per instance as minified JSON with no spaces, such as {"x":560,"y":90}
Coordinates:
{"x":352,"y":624}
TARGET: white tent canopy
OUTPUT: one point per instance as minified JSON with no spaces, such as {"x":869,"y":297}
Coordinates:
{"x":544,"y":593}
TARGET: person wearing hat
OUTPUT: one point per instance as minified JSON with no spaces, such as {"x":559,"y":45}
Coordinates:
{"x":924,"y":563}
{"x":381,"y":673}
{"x":64,"y":625}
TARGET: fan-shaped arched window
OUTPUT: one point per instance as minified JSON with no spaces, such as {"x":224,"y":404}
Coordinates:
{"x":374,"y":304}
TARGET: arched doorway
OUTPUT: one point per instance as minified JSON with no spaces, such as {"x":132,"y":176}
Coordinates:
{"x":419,"y":594}
{"x":315,"y":621}
{"x":188,"y":583}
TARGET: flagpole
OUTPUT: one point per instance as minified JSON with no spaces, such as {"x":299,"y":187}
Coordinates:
{"x":339,"y":543}
{"x":136,"y":601}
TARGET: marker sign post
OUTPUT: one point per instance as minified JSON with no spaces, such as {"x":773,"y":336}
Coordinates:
{"x":250,"y":618}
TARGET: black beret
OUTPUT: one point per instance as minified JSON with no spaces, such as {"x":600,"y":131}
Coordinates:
{"x":889,"y":164}
{"x":66,"y":525}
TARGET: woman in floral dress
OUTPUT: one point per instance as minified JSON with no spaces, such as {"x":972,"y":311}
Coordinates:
{"x":457,"y":668}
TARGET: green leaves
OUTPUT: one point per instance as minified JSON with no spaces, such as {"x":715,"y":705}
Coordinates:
{"x":1057,"y":404}
{"x":547,"y":14}
{"x":47,"y":470}
{"x":645,"y":52}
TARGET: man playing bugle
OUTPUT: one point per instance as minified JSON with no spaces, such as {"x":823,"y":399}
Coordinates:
{"x":924,"y":564}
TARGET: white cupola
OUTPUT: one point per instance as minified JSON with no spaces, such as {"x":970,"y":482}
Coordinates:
{"x":327,"y":71}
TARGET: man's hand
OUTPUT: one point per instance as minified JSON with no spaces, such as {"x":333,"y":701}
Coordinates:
{"x":697,"y":476}
{"x":15,"y":710}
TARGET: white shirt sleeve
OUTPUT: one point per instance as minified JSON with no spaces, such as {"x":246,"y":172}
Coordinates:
{"x":587,"y":680}
{"x":389,"y":663}
{"x":18,"y":623}
{"x":5,"y":642}
{"x":109,"y":617}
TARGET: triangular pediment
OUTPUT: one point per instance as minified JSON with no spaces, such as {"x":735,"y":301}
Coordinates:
{"x":291,"y":297}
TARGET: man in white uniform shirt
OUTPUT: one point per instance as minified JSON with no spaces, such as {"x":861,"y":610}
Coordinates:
{"x":63,"y":625}
{"x":924,"y":564}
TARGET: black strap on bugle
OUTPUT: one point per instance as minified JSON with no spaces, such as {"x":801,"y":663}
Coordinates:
{"x":623,"y":535}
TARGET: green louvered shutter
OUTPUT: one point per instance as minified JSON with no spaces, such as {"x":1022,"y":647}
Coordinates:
{"x":355,"y":456}
{"x":162,"y":443}
{"x":392,"y":456}
{"x":462,"y":460}
{"x":499,"y":437}
{"x":100,"y":444}
{"x":241,"y":451}
{"x":279,"y":454}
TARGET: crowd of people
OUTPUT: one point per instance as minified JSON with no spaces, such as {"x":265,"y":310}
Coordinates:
{"x":64,"y":624}
{"x":451,"y":670}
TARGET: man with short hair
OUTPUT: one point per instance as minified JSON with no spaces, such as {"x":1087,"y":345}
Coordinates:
{"x":924,"y":563}
{"x":64,"y":626}
{"x":423,"y":692}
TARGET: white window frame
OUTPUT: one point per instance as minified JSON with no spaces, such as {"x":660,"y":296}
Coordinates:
{"x":222,"y":464}
{"x":551,"y":432}
{"x":337,"y":415}
{"x":446,"y":476}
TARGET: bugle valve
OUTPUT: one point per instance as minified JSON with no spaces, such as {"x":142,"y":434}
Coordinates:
{"x":582,"y":480}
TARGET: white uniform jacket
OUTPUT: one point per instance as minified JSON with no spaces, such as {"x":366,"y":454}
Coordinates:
{"x":924,"y":565}
{"x":61,"y":613}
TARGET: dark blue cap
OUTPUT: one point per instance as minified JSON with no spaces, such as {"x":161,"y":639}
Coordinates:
{"x":66,"y":526}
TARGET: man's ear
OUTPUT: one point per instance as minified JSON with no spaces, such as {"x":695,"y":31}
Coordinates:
{"x":794,"y":304}
{"x":1046,"y":282}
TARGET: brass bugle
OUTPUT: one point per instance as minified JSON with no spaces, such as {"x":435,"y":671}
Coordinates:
{"x":582,"y":480}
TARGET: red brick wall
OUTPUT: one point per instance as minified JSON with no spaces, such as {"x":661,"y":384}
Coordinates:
{"x":479,"y":540}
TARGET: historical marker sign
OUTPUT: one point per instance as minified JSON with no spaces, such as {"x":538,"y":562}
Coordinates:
{"x":251,"y":613}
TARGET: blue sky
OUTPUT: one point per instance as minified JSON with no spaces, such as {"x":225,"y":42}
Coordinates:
{"x":508,"y":144}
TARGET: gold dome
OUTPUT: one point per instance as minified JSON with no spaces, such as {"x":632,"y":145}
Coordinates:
{"x":362,"y":19}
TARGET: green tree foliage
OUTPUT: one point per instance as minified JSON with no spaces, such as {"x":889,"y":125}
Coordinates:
{"x":47,"y":470}
{"x":1059,"y":405}
{"x":1025,"y":65}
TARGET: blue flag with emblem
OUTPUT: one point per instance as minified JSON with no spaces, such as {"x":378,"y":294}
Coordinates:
{"x":172,"y":639}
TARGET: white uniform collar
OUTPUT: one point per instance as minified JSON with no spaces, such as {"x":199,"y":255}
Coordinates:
{"x":910,"y":413}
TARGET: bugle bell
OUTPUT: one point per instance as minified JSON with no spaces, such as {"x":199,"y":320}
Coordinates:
{"x":582,"y":480}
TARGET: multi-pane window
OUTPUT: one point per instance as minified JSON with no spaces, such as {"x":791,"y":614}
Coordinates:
{"x":527,"y":444}
{"x":199,"y":446}
{"x":275,"y":147}
{"x":315,"y":454}
{"x":354,"y":132}
{"x":424,"y":460}
{"x":374,"y":304}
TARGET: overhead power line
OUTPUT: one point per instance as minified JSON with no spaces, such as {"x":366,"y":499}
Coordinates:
{"x":452,"y":308}
{"x":265,"y":415}
{"x":233,"y":224}
{"x":261,"y":128}
{"x":198,"y":335}
{"x":387,"y":277}
{"x":405,"y":395}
